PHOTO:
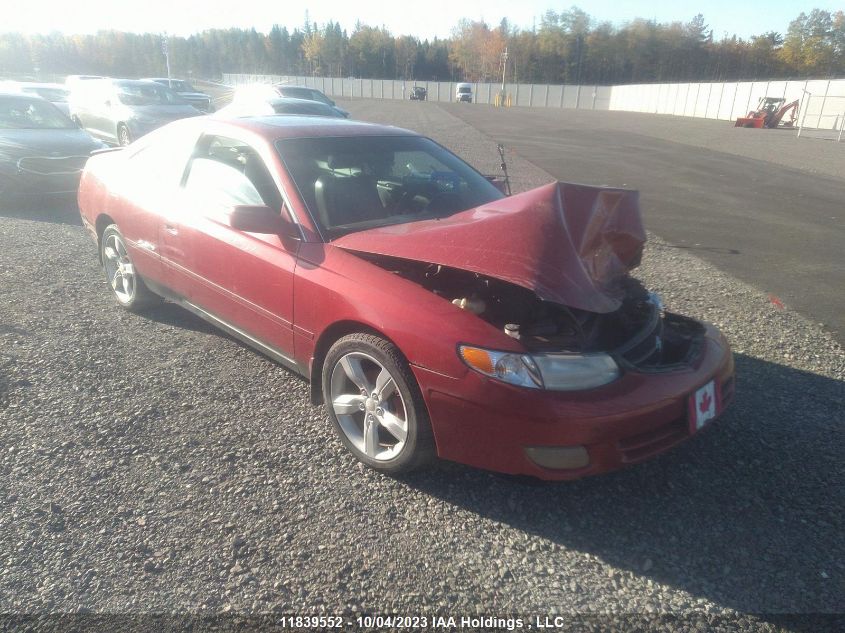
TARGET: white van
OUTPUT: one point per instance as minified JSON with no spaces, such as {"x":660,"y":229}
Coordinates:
{"x":463,"y":92}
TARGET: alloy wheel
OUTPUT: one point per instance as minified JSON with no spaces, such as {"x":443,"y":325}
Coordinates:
{"x":119,"y":270}
{"x":369,"y":407}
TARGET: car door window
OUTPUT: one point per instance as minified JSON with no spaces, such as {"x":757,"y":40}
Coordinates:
{"x":226,"y":172}
{"x":155,"y":169}
{"x":163,"y":156}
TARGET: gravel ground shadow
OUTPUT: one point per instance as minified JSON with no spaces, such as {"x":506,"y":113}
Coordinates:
{"x":60,"y":209}
{"x":698,"y":519}
{"x":175,"y":316}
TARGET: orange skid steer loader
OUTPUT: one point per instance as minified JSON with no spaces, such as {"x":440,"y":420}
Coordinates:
{"x":769,"y":114}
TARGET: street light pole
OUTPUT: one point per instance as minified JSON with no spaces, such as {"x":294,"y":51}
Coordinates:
{"x":504,"y":69}
{"x":166,"y":58}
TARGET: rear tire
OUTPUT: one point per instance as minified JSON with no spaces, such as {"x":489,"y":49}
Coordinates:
{"x":126,"y":284}
{"x":375,"y":404}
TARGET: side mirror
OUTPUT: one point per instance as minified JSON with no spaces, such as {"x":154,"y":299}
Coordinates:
{"x":261,"y":219}
{"x":499,"y":183}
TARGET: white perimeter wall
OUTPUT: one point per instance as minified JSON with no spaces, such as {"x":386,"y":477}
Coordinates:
{"x":823,"y":108}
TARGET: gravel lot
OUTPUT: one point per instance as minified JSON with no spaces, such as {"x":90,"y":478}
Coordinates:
{"x":151,"y":464}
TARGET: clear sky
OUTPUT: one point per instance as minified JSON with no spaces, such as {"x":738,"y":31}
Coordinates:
{"x":422,"y":18}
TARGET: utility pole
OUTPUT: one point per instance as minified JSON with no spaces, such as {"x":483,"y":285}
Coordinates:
{"x":166,"y":58}
{"x":504,"y":69}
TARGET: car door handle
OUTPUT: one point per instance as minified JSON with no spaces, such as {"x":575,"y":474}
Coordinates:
{"x":171,"y":229}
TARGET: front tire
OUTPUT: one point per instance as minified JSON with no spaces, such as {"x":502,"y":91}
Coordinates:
{"x":124,"y":138}
{"x":125,"y":283}
{"x":375,"y":404}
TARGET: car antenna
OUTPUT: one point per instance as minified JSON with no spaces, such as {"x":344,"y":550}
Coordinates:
{"x":504,"y":166}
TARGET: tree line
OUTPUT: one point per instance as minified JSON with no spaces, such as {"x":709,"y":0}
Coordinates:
{"x":564,"y":47}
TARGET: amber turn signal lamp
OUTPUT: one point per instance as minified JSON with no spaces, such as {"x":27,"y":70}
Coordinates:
{"x":478,"y":359}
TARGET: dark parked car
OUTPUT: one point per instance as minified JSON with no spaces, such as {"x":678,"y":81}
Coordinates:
{"x":57,"y":94}
{"x":122,"y":110}
{"x":278,"y":105}
{"x":184,"y":89}
{"x":41,"y":150}
{"x":418,"y":93}
{"x":432,"y":315}
{"x":311,"y":94}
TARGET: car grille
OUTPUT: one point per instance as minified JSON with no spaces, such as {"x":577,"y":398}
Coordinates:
{"x":642,"y":446}
{"x":638,"y":447}
{"x":728,"y":390}
{"x":52,"y":165}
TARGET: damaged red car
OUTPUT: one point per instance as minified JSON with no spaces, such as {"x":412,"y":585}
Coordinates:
{"x":433,"y":315}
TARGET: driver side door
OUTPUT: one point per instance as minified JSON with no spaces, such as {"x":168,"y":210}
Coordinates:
{"x":243,"y":280}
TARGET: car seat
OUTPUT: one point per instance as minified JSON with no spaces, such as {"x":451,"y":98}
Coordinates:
{"x":347,"y":199}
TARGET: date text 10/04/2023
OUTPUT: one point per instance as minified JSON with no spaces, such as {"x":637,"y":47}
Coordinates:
{"x":446,"y":623}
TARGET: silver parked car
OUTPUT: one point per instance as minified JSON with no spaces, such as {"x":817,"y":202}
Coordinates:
{"x":122,"y":110}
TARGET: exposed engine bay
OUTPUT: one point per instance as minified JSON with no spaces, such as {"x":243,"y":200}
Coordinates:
{"x":639,"y":332}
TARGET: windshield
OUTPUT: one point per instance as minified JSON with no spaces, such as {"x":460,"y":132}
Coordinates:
{"x":464,"y":89}
{"x":51,"y":94}
{"x":354,"y":183}
{"x":178,"y":85}
{"x":26,"y":113}
{"x":143,"y":94}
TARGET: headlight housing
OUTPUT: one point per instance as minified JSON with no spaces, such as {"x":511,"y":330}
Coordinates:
{"x":515,"y":369}
{"x":553,"y":372}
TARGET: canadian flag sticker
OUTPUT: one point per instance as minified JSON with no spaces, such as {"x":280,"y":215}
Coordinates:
{"x":703,"y":405}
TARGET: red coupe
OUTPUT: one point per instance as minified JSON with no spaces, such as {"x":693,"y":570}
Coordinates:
{"x":432,"y":314}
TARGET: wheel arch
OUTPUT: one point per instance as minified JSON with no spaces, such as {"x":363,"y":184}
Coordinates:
{"x":102,"y":222}
{"x":329,"y":337}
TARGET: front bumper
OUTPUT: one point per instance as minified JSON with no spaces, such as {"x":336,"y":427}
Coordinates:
{"x":489,"y":424}
{"x":35,"y":175}
{"x":203,"y":105}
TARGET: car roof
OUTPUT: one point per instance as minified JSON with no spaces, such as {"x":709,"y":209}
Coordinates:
{"x":36,"y":84}
{"x":278,"y":126}
{"x":142,"y":82}
{"x":295,"y":87}
{"x":20,"y":95}
{"x":306,"y":102}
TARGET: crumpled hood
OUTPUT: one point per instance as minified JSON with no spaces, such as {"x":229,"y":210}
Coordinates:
{"x":570,"y":244}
